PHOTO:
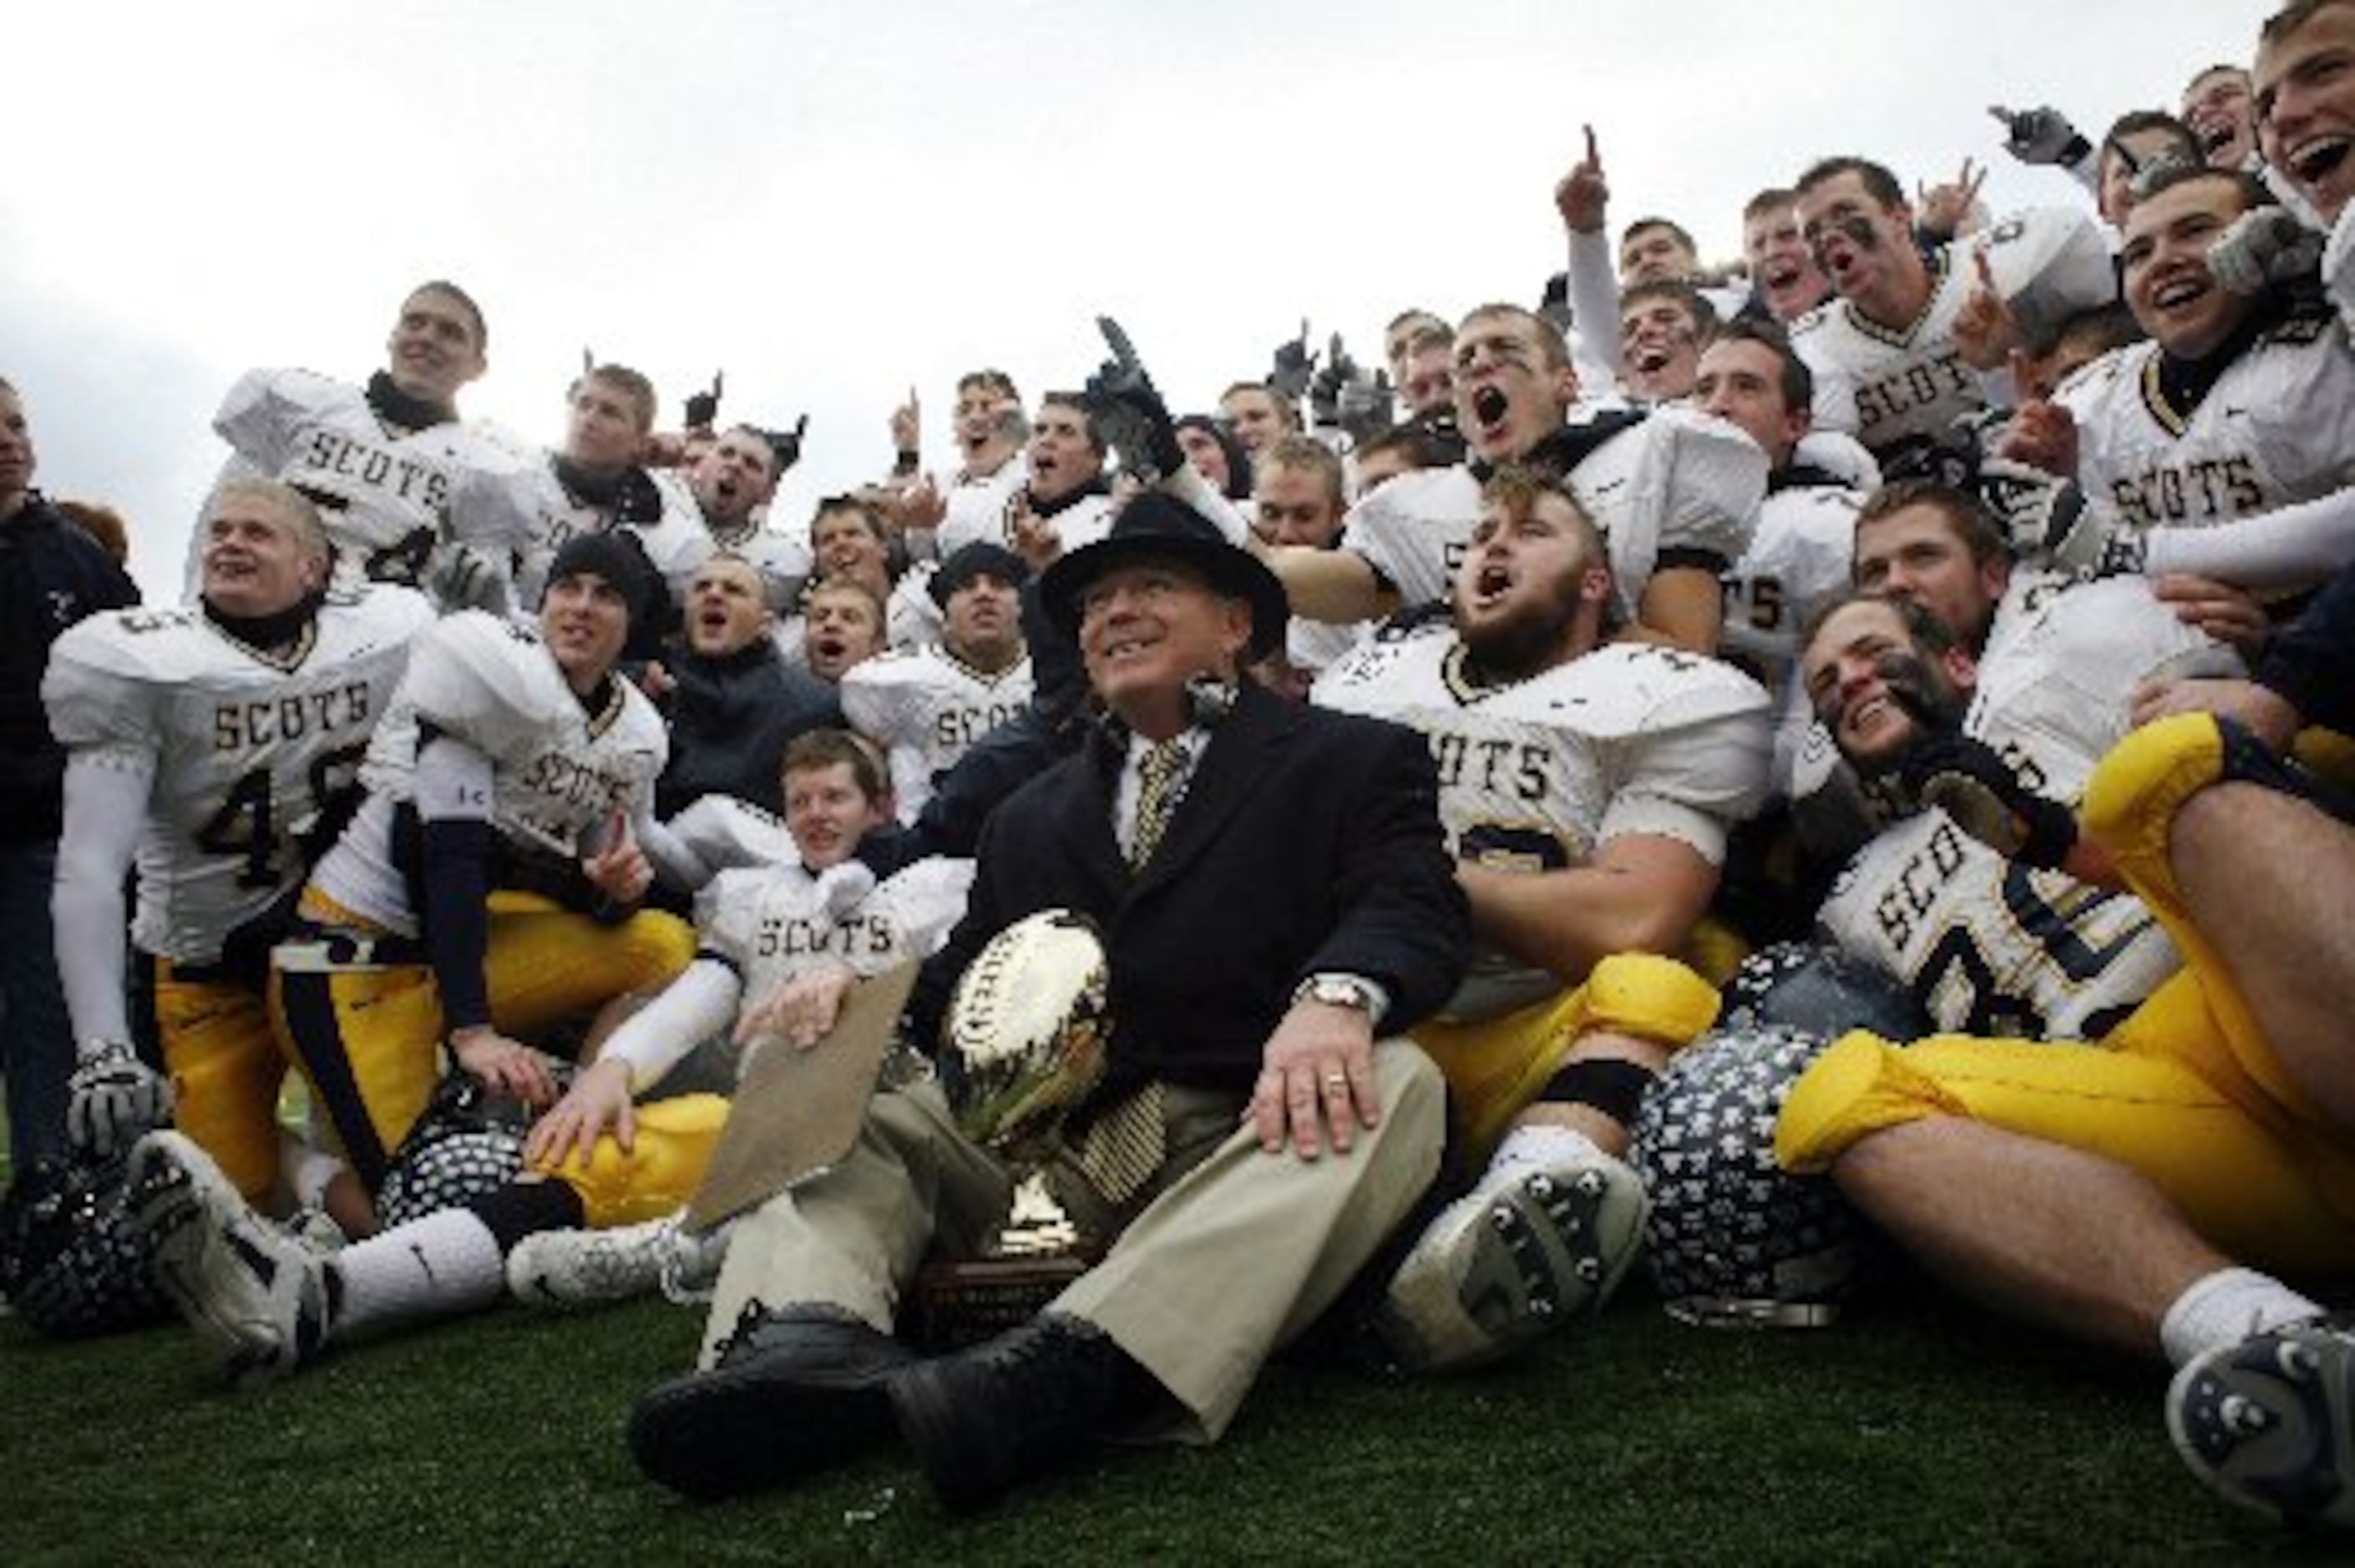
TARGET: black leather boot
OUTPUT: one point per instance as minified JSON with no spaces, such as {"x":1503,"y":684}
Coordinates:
{"x":985,"y":1418}
{"x":792,"y":1391}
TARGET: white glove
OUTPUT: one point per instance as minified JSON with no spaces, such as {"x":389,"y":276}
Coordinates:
{"x":2264,"y":245}
{"x":841,"y":888}
{"x":115,"y":1099}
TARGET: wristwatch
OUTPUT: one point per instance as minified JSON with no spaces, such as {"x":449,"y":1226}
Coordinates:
{"x":1336,"y":990}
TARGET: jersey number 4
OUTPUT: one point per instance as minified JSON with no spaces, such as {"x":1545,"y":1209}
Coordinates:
{"x":248,"y":824}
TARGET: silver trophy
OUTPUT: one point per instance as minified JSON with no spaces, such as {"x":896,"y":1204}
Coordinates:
{"x":1026,"y":1037}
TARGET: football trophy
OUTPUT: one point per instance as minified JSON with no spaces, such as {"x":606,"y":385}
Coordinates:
{"x":1025,"y":1042}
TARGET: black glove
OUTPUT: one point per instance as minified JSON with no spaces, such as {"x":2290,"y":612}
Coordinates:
{"x":1966,"y":778}
{"x":787,"y":444}
{"x":704,"y":406}
{"x":1325,"y":386}
{"x":1129,"y":412}
{"x":2041,"y":136}
{"x":1295,"y":363}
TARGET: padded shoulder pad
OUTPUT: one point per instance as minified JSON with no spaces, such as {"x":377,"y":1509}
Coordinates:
{"x":1411,"y":529}
{"x":2048,"y":262}
{"x":107,"y":674}
{"x":1632,"y":689}
{"x":487,"y":681}
{"x":1717,"y":481}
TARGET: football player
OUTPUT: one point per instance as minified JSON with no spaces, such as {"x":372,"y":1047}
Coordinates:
{"x":1673,"y":490}
{"x":726,"y":509}
{"x":785,"y":943}
{"x":1883,"y":352}
{"x":926,"y":707}
{"x":1587,"y":786}
{"x":991,"y":430}
{"x":1663,"y":321}
{"x":488,"y":885}
{"x":409,"y":494}
{"x":2305,"y":114}
{"x":216,"y":746}
{"x":596,"y":483}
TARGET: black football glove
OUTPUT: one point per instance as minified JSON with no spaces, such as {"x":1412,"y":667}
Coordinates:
{"x":1966,"y":778}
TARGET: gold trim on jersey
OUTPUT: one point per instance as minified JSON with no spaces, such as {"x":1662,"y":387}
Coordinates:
{"x":617,"y":702}
{"x":982,"y":676}
{"x":286,"y":659}
{"x":1455,"y":673}
{"x":2155,"y":400}
{"x":1893,"y":337}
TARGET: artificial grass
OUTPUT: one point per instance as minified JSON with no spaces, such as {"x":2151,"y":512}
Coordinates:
{"x":1912,"y":1431}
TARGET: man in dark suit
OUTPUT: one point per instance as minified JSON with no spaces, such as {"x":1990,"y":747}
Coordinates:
{"x":1294,"y":905}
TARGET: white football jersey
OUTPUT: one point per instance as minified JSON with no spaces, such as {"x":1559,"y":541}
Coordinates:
{"x":977,"y":507}
{"x":393,"y":500}
{"x":1679,"y":481}
{"x":770,"y":924}
{"x":1992,"y":948}
{"x":683,"y":540}
{"x":1629,"y":739}
{"x":2277,"y":427}
{"x":1802,"y":555}
{"x":926,"y":707}
{"x":247,"y":750}
{"x":558,"y":772}
{"x":550,"y":517}
{"x":1893,"y":386}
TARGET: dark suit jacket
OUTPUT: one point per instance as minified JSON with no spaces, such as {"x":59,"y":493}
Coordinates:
{"x":1306,"y":840}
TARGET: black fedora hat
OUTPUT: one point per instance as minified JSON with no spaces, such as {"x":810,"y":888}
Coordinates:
{"x":1155,"y":526}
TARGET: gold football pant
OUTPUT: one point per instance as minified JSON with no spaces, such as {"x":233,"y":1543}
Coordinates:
{"x":1498,"y":1066}
{"x":226,"y":1068}
{"x":369,"y":1033}
{"x":659,"y":1171}
{"x":2185,"y":1091}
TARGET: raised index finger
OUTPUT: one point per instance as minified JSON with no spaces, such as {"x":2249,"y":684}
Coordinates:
{"x":1594,"y":156}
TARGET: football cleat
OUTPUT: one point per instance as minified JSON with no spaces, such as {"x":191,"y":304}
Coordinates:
{"x":565,"y":1269}
{"x":1529,"y":1247}
{"x":2269,"y":1423}
{"x":255,"y":1294}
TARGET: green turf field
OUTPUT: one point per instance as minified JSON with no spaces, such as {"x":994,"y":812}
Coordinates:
{"x":1911,"y":1432}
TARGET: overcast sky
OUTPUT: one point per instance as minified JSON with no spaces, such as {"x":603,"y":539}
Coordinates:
{"x":835,"y":201}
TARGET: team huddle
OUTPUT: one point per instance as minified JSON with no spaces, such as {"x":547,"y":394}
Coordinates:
{"x":1693,"y":769}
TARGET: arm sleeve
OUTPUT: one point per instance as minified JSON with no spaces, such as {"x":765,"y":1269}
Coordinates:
{"x":2277,"y":551}
{"x":453,"y":809}
{"x":1593,"y":285}
{"x":106,"y":806}
{"x":700,"y":1003}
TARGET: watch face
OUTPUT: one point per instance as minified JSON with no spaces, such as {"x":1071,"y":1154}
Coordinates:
{"x":1338,"y":993}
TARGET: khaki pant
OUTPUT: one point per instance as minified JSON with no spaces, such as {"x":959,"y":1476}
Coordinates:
{"x":1227,"y":1258}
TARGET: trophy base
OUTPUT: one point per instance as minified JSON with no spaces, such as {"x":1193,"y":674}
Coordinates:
{"x":964,"y":1303}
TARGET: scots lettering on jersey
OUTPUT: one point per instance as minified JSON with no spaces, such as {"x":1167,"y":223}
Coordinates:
{"x":801,"y":935}
{"x":1913,"y":893}
{"x":958,"y":728}
{"x":552,"y":776}
{"x":1923,"y":385}
{"x":1496,"y":765}
{"x":295,"y":716}
{"x":2204,"y":491}
{"x":419,"y":484}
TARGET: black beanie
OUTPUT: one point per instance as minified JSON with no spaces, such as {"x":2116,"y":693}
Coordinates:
{"x":620,"y":560}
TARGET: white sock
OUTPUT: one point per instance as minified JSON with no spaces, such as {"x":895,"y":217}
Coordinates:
{"x":442,"y":1265}
{"x":2225,"y":1307}
{"x":308,"y":1171}
{"x":1543,"y":1143}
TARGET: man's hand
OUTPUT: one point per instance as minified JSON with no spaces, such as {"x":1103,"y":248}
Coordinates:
{"x":703,"y":407}
{"x":801,"y":1011}
{"x":907,"y":424}
{"x":600,"y":1097}
{"x":2262,"y":711}
{"x":1584,"y":195}
{"x":1944,"y":209}
{"x":113,"y":1098}
{"x":502,"y":1065}
{"x":1985,"y":331}
{"x":2041,"y":433}
{"x":2231,"y":614}
{"x":620,"y":871}
{"x":1966,"y":778}
{"x":1295,"y":363}
{"x":2041,"y":136}
{"x":1319,"y":1062}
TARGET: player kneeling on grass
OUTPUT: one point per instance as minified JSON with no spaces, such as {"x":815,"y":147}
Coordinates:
{"x":796,"y":936}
